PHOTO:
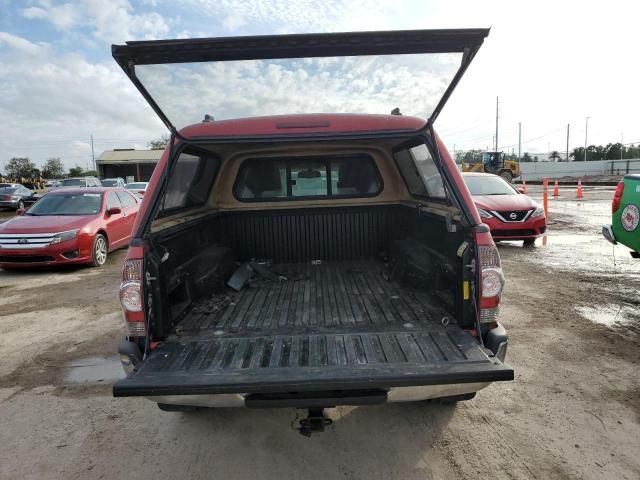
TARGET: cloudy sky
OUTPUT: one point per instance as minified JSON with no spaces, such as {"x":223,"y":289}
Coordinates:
{"x":552,"y":64}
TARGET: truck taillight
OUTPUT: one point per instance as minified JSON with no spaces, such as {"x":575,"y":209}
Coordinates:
{"x":617,"y":197}
{"x":131,"y":297}
{"x":491,"y":283}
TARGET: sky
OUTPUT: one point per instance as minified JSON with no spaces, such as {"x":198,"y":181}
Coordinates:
{"x":551,"y":63}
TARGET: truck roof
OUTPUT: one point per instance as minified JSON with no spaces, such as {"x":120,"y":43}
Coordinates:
{"x":304,"y":124}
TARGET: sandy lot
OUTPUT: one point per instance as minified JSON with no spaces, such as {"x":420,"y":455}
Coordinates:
{"x":573,"y":412}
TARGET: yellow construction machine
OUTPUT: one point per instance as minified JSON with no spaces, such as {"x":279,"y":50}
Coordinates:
{"x":494,"y":162}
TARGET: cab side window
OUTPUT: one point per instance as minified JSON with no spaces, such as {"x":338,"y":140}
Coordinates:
{"x":190,"y":181}
{"x":420,"y":173}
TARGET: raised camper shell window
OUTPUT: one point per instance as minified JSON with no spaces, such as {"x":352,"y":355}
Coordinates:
{"x":271,"y":179}
{"x":190,"y":181}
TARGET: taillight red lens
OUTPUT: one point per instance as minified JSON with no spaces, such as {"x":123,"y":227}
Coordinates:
{"x":617,"y":197}
{"x":131,"y":297}
{"x":491,"y":283}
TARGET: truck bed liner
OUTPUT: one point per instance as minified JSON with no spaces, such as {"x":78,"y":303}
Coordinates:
{"x":331,"y":294}
{"x":329,"y":327}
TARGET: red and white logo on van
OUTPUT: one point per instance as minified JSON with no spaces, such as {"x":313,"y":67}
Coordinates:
{"x":630,"y":217}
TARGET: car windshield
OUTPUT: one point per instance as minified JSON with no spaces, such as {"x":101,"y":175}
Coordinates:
{"x":488,"y":185}
{"x":109,"y":182}
{"x":136,"y":186}
{"x":67,"y":204}
{"x":8,"y":190}
{"x":73,"y":182}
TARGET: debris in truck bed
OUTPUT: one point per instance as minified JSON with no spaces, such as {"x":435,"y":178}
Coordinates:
{"x":214,"y":304}
{"x":240,"y":277}
{"x":264,"y":271}
{"x":247,"y":272}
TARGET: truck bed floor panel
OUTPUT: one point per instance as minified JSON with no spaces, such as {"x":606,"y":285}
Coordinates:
{"x":329,"y":326}
{"x":344,"y":294}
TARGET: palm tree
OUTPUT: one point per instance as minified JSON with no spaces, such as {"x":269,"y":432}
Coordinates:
{"x":555,"y":156}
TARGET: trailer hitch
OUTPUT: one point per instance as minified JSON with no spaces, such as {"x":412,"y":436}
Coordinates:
{"x":315,"y":422}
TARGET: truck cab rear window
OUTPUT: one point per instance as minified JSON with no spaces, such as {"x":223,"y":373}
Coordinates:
{"x":273,"y":179}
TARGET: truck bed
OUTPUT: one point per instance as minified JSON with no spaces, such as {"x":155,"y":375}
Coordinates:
{"x":335,"y":325}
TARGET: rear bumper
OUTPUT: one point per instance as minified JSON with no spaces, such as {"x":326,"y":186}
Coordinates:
{"x":393,"y":395}
{"x":64,"y":253}
{"x":6,"y":204}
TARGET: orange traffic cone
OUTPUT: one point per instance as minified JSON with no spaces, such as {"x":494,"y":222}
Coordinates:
{"x":524,"y":186}
{"x":579,"y":192}
{"x":556,"y":190}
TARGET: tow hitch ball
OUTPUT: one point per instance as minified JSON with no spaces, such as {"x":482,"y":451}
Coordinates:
{"x":314,"y":423}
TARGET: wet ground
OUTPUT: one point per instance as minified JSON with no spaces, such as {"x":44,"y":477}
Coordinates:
{"x":573,"y":411}
{"x":574,"y":244}
{"x":93,"y":370}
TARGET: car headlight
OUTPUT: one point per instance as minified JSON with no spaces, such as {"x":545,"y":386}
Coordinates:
{"x":64,"y":236}
{"x":538,"y":212}
{"x":484,"y":213}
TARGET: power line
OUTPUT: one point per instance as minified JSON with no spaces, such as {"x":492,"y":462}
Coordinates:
{"x":532,"y":139}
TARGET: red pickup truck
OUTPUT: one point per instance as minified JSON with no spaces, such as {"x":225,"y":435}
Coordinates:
{"x":307,"y":260}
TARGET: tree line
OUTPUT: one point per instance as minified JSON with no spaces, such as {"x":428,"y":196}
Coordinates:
{"x":610,"y":151}
{"x":53,"y":168}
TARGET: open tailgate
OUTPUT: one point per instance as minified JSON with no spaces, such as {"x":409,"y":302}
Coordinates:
{"x":316,"y":362}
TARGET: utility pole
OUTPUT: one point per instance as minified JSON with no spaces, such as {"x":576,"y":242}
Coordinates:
{"x":567,"y":142}
{"x":519,"y":139}
{"x":586,"y":131}
{"x":621,"y":144}
{"x":93,"y":157}
{"x":496,"y":124}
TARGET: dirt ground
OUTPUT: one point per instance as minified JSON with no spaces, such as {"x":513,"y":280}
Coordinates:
{"x":573,"y":411}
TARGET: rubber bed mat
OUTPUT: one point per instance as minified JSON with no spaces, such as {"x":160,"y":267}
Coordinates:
{"x":313,"y":362}
{"x":330,"y":326}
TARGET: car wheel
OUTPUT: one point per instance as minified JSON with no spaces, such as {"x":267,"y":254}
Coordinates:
{"x":20,"y":204}
{"x":167,"y":407}
{"x":507,"y":175}
{"x":100,"y":251}
{"x":529,"y":242}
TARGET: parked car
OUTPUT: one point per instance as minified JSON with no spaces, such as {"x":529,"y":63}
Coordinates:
{"x":81,"y":182}
{"x":625,"y":210}
{"x":69,"y":226}
{"x":309,"y":261}
{"x":509,"y":213}
{"x":16,"y":197}
{"x":139,"y":188}
{"x":10,"y":185}
{"x":113,"y":182}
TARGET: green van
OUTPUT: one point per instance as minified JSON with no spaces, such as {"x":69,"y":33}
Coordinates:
{"x":625,"y":215}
